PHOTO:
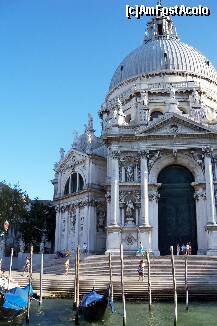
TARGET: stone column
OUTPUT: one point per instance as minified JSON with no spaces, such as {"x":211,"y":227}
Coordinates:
{"x":115,"y":209}
{"x":145,"y":229}
{"x":211,"y":209}
{"x":153,"y":215}
{"x":108,"y":201}
{"x":113,"y":229}
{"x":57,"y":228}
{"x":200,"y":198}
{"x":144,"y":220}
{"x":91,"y":231}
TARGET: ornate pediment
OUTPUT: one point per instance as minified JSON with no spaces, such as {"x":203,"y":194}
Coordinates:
{"x":175,"y":124}
{"x":71,"y":160}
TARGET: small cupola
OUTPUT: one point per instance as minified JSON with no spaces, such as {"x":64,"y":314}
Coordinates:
{"x":160,"y":27}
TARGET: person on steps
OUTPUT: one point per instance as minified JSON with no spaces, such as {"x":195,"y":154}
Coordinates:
{"x":140,"y":270}
{"x":66,"y":267}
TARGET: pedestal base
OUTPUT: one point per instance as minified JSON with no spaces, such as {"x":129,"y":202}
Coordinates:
{"x":212,"y":239}
{"x":144,"y":236}
{"x":113,"y":240}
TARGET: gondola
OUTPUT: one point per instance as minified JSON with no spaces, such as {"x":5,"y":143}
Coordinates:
{"x":13,"y":303}
{"x":93,"y":306}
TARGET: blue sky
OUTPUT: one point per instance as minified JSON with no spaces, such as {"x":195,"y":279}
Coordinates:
{"x":56,"y":61}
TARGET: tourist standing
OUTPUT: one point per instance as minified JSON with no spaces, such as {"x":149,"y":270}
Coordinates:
{"x":141,"y":269}
{"x":141,"y":250}
{"x":66,"y":267}
{"x":26,"y":266}
{"x":85,"y":248}
{"x":183,"y":248}
{"x":190,"y":248}
{"x":178,"y":249}
{"x":187,"y":249}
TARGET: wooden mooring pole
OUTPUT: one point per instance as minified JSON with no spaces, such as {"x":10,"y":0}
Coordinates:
{"x":41,"y":278}
{"x":10,"y":266}
{"x":186,"y":282}
{"x":174,"y":286}
{"x":110,"y":275}
{"x":122,"y":286}
{"x":149,"y":280}
{"x":75,"y":282}
{"x":30,"y":283}
{"x":77,"y":287}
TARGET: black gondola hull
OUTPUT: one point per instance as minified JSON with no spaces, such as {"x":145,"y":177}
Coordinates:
{"x":95,"y":311}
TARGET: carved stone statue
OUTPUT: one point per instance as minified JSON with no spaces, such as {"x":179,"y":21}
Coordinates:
{"x":42,"y":247}
{"x":144,"y":98}
{"x":130,"y":208}
{"x":144,"y":115}
{"x":90,"y":122}
{"x":195,"y":97}
{"x":120,"y":115}
{"x":172,"y":93}
{"x":75,"y":143}
{"x":100,"y":221}
{"x":129,"y":173}
{"x":89,"y":137}
{"x":21,"y":245}
{"x":129,"y":213}
{"x":62,"y":153}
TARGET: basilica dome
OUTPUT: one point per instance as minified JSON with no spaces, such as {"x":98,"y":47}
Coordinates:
{"x":162,"y":51}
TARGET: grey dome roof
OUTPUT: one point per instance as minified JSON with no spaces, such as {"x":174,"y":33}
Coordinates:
{"x":163,"y":52}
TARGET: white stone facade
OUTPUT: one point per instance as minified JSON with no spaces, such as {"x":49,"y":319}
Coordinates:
{"x":150,"y":121}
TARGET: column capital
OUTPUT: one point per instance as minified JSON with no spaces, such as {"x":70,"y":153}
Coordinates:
{"x":207,"y":151}
{"x":199,"y":195}
{"x":115,"y":155}
{"x":154,"y":196}
{"x":144,"y":154}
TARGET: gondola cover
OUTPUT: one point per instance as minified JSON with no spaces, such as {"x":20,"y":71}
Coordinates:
{"x":17,"y":298}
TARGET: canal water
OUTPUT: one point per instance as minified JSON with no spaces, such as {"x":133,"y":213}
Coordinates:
{"x":59,"y":313}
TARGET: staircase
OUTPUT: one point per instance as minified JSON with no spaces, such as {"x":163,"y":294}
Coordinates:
{"x":202,"y":276}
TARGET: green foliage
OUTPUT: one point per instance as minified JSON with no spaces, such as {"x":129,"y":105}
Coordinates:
{"x":40,"y":220}
{"x":13,"y":203}
{"x":32,"y":219}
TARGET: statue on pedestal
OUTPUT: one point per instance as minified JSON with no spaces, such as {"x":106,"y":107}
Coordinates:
{"x":129,"y":212}
{"x":172,"y":93}
{"x":62,"y":153}
{"x":21,"y":246}
{"x":129,"y":173}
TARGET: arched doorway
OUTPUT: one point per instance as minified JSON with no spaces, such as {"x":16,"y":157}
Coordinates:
{"x":176,"y":209}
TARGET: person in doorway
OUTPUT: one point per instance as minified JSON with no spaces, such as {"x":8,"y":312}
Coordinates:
{"x":183,"y":249}
{"x":85,"y":248}
{"x":178,"y":249}
{"x":187,"y":249}
{"x":66,"y":267}
{"x":27,"y":266}
{"x":190,"y":248}
{"x":140,"y":270}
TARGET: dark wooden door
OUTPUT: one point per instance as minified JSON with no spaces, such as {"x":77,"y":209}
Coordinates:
{"x":176,"y":210}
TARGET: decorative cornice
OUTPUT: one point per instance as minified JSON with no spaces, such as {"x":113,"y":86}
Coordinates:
{"x":80,"y":204}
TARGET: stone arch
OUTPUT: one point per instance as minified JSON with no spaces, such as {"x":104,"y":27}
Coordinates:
{"x":182,"y":160}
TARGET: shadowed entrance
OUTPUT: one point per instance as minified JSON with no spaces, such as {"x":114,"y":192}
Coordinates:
{"x":176,"y":209}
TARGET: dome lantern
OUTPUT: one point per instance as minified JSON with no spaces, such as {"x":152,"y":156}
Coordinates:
{"x":160,"y":27}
